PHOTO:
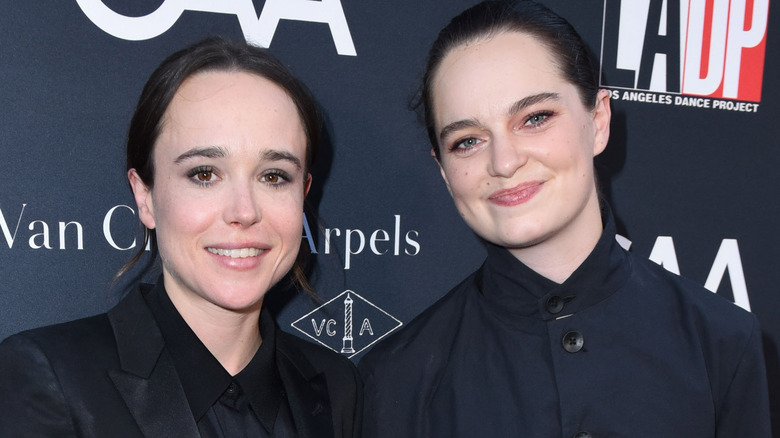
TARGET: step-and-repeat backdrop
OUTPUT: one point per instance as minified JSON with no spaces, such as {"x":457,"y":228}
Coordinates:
{"x":691,"y":169}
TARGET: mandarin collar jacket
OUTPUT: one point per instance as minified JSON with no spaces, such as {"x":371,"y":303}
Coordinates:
{"x":623,"y":348}
{"x":111,"y":375}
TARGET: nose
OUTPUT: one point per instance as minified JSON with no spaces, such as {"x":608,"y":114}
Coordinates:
{"x":507,"y":154}
{"x":242,"y":206}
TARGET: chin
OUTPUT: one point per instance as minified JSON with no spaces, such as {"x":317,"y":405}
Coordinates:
{"x":241,"y":306}
{"x":239,"y":299}
{"x":518,"y":236}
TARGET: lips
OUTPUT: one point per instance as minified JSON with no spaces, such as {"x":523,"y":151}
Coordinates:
{"x":238,"y":253}
{"x":516,"y":195}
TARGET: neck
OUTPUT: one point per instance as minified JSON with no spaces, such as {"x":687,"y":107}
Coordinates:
{"x":559,"y":255}
{"x":232,"y":337}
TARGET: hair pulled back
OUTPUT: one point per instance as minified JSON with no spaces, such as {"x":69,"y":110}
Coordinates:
{"x":569,"y":52}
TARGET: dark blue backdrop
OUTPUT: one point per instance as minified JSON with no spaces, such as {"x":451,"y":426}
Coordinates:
{"x":694,"y":187}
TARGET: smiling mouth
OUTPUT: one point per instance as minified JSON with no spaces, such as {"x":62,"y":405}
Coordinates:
{"x":516,"y":195}
{"x":236,"y":253}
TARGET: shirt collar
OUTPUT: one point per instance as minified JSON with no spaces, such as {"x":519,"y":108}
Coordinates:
{"x":203,"y":378}
{"x":513,"y":289}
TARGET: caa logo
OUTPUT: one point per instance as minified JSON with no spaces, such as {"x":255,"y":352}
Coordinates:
{"x":347,"y":324}
{"x":257,"y":30}
{"x":712,"y":48}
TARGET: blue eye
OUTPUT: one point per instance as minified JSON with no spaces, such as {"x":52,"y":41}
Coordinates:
{"x":538,"y":118}
{"x":469,"y":142}
{"x":466,"y":143}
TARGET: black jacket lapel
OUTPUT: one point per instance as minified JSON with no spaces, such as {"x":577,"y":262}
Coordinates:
{"x":148,"y":381}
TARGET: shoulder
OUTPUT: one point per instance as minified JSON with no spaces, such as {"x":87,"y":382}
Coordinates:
{"x":400,"y":373}
{"x":310,"y":360}
{"x":432,"y":327}
{"x":727,"y":335}
{"x":64,"y":339}
{"x":36,"y":368}
{"x":394,"y":370}
{"x":729,"y":341}
{"x":320,"y":358}
{"x":343,"y":384}
{"x":706,"y":309}
{"x":61,"y":350}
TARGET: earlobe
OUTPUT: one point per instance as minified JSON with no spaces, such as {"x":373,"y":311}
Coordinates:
{"x":602,"y":115}
{"x":143,"y":199}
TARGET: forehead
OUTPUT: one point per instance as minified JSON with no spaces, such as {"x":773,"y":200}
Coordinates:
{"x":491,"y":73}
{"x":204,"y":94}
{"x":231,"y":109}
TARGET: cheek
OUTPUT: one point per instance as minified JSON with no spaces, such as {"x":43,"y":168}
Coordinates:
{"x":285,"y":216}
{"x":573,"y":154}
{"x":179,"y":215}
{"x":462,"y":180}
{"x":578,"y":165}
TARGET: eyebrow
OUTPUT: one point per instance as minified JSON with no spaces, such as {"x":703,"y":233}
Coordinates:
{"x":530,"y":101}
{"x":207,"y":152}
{"x":456,"y":126}
{"x":220,"y":152}
{"x":514,"y":109}
{"x":276,"y":155}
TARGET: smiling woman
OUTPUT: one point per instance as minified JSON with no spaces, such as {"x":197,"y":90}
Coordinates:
{"x":229,"y":183}
{"x":518,"y":119}
{"x":560,"y":333}
{"x":218,"y":159}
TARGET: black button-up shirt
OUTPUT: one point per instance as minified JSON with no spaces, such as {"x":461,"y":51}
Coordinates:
{"x":250,"y":404}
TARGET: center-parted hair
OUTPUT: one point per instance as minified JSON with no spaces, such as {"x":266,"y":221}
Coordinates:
{"x":210,"y":55}
{"x":569,"y":52}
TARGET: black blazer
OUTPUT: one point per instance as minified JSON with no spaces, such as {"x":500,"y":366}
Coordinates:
{"x":110,"y":375}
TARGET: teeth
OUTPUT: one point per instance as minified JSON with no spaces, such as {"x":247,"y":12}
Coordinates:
{"x":236,"y":253}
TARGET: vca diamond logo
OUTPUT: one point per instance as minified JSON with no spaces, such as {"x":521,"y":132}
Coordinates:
{"x":347,"y":324}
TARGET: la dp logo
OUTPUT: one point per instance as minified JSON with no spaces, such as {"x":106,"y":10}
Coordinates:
{"x":712,"y":48}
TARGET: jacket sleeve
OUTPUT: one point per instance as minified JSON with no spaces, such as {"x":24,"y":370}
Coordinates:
{"x":744,"y":408}
{"x":31,"y":400}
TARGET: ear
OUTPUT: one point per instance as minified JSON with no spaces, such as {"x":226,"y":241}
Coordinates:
{"x":143,"y":199}
{"x":307,"y":185}
{"x":441,"y":169}
{"x":602,"y":114}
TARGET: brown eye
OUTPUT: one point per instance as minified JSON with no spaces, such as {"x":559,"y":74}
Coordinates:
{"x":205,"y":175}
{"x":275,"y":178}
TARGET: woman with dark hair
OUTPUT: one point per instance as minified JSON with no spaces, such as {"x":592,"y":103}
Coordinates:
{"x":218,"y":157}
{"x":560,"y":333}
